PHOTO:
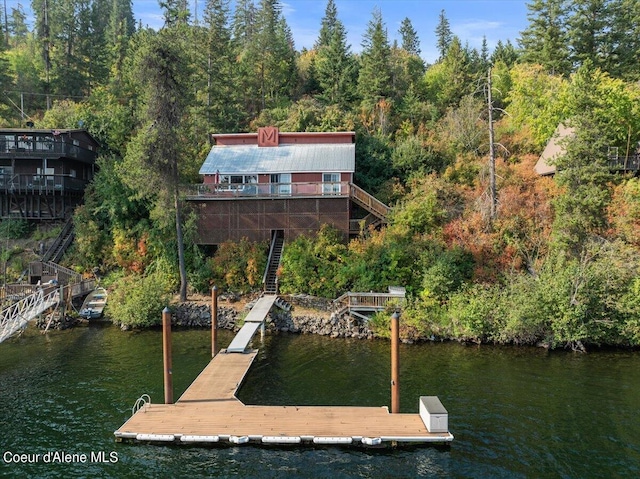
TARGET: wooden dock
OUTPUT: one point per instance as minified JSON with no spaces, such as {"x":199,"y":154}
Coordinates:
{"x":209,"y":412}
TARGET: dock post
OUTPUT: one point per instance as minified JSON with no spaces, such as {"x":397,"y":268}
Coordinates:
{"x":395,"y":363}
{"x":166,"y":356}
{"x":214,"y":321}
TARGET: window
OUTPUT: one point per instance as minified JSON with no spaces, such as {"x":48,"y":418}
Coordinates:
{"x":331,"y":183}
{"x":281,"y":184}
{"x":238,"y":182}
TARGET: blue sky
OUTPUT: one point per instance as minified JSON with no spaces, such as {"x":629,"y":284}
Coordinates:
{"x":469,"y":19}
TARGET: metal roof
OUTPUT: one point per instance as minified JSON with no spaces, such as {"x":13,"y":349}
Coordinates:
{"x":309,"y":158}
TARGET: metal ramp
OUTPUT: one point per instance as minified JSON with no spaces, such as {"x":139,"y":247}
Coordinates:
{"x":14,"y":318}
{"x":252,"y":323}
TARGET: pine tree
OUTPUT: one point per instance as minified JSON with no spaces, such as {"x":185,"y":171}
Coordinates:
{"x":176,"y":12}
{"x":218,"y":68}
{"x":335,"y":66}
{"x":623,"y":39}
{"x":444,"y":36}
{"x":374,"y":80}
{"x":505,"y":53}
{"x":16,"y":27}
{"x":154,"y":156}
{"x":120,"y":28}
{"x":266,"y":53}
{"x":589,"y":32}
{"x":327,"y":26}
{"x":410,"y":41}
{"x":544,"y":41}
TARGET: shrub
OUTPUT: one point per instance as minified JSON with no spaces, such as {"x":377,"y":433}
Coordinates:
{"x":138,"y":301}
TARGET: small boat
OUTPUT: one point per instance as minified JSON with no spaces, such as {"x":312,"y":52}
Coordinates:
{"x":94,"y":304}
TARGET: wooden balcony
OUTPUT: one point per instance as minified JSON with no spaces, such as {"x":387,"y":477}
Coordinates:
{"x":50,"y":149}
{"x":265,"y":190}
{"x":629,"y":163}
{"x":24,"y":184}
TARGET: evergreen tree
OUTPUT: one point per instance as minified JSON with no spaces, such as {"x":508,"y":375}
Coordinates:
{"x":484,"y":53}
{"x":16,"y":27}
{"x":630,"y":54}
{"x":505,"y":53}
{"x":374,"y":79}
{"x":218,"y":68}
{"x":153,"y":159}
{"x":327,"y":26}
{"x":273,"y":55}
{"x":590,"y":32}
{"x":120,"y":28}
{"x":176,"y":12}
{"x":410,"y":41}
{"x":334,"y":65}
{"x":544,"y":41}
{"x":582,"y":172}
{"x":444,"y":36}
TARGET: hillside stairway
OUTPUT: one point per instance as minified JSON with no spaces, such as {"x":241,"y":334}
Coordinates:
{"x":60,"y":245}
{"x":270,"y":278}
{"x":369,"y":203}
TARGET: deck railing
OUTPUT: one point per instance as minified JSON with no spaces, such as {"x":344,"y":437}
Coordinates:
{"x":624,"y":163}
{"x":367,"y":302}
{"x":44,"y":148}
{"x":368,"y":202}
{"x":40,"y":184}
{"x":266,"y":190}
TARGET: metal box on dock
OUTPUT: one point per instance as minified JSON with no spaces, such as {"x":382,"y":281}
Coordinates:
{"x":433,"y":414}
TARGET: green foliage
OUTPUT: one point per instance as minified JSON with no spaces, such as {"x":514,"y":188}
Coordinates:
{"x":472,"y":313}
{"x":14,"y":228}
{"x":239,"y":266}
{"x":313,"y":265}
{"x":447,"y":273}
{"x":137,"y":301}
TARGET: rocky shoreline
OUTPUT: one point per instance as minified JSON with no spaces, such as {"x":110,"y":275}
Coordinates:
{"x":197,"y":314}
{"x":308,"y":315}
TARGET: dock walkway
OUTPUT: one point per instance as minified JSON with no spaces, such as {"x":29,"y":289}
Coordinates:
{"x":210,"y":412}
{"x":252,"y":322}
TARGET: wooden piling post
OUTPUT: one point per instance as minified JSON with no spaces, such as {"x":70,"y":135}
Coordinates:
{"x":395,"y":363}
{"x":214,"y":321}
{"x":166,"y":356}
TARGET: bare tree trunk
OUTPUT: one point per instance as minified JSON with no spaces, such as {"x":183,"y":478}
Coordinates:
{"x":492,"y":153}
{"x":180,"y":240}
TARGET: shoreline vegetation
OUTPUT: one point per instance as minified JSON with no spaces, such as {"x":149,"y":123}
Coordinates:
{"x":310,"y":315}
{"x":487,"y":250}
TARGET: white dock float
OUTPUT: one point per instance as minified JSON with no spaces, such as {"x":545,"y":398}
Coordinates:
{"x":252,"y":323}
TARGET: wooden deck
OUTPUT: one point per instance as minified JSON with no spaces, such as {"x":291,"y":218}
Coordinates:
{"x":209,"y":412}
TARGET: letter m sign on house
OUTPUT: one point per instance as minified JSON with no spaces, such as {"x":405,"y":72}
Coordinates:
{"x":268,"y":136}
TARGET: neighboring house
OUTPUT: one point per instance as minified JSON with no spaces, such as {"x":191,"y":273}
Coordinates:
{"x":257,"y":184}
{"x":555,"y":148}
{"x":43,"y":173}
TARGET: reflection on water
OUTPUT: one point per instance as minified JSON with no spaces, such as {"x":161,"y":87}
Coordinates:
{"x":515,"y":412}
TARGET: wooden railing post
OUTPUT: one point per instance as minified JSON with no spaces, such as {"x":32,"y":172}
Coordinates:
{"x":166,"y":356}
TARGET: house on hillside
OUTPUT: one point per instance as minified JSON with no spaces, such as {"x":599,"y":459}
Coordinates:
{"x":43,"y":173}
{"x":258,"y":184}
{"x":626,"y":163}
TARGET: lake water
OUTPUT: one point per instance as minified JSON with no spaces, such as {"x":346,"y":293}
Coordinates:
{"x":514,"y":412}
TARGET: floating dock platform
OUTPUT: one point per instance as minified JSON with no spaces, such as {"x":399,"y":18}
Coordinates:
{"x":209,"y":412}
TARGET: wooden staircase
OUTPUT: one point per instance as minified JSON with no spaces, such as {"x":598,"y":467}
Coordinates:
{"x":368,"y":202}
{"x":270,"y":278}
{"x":60,"y":245}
